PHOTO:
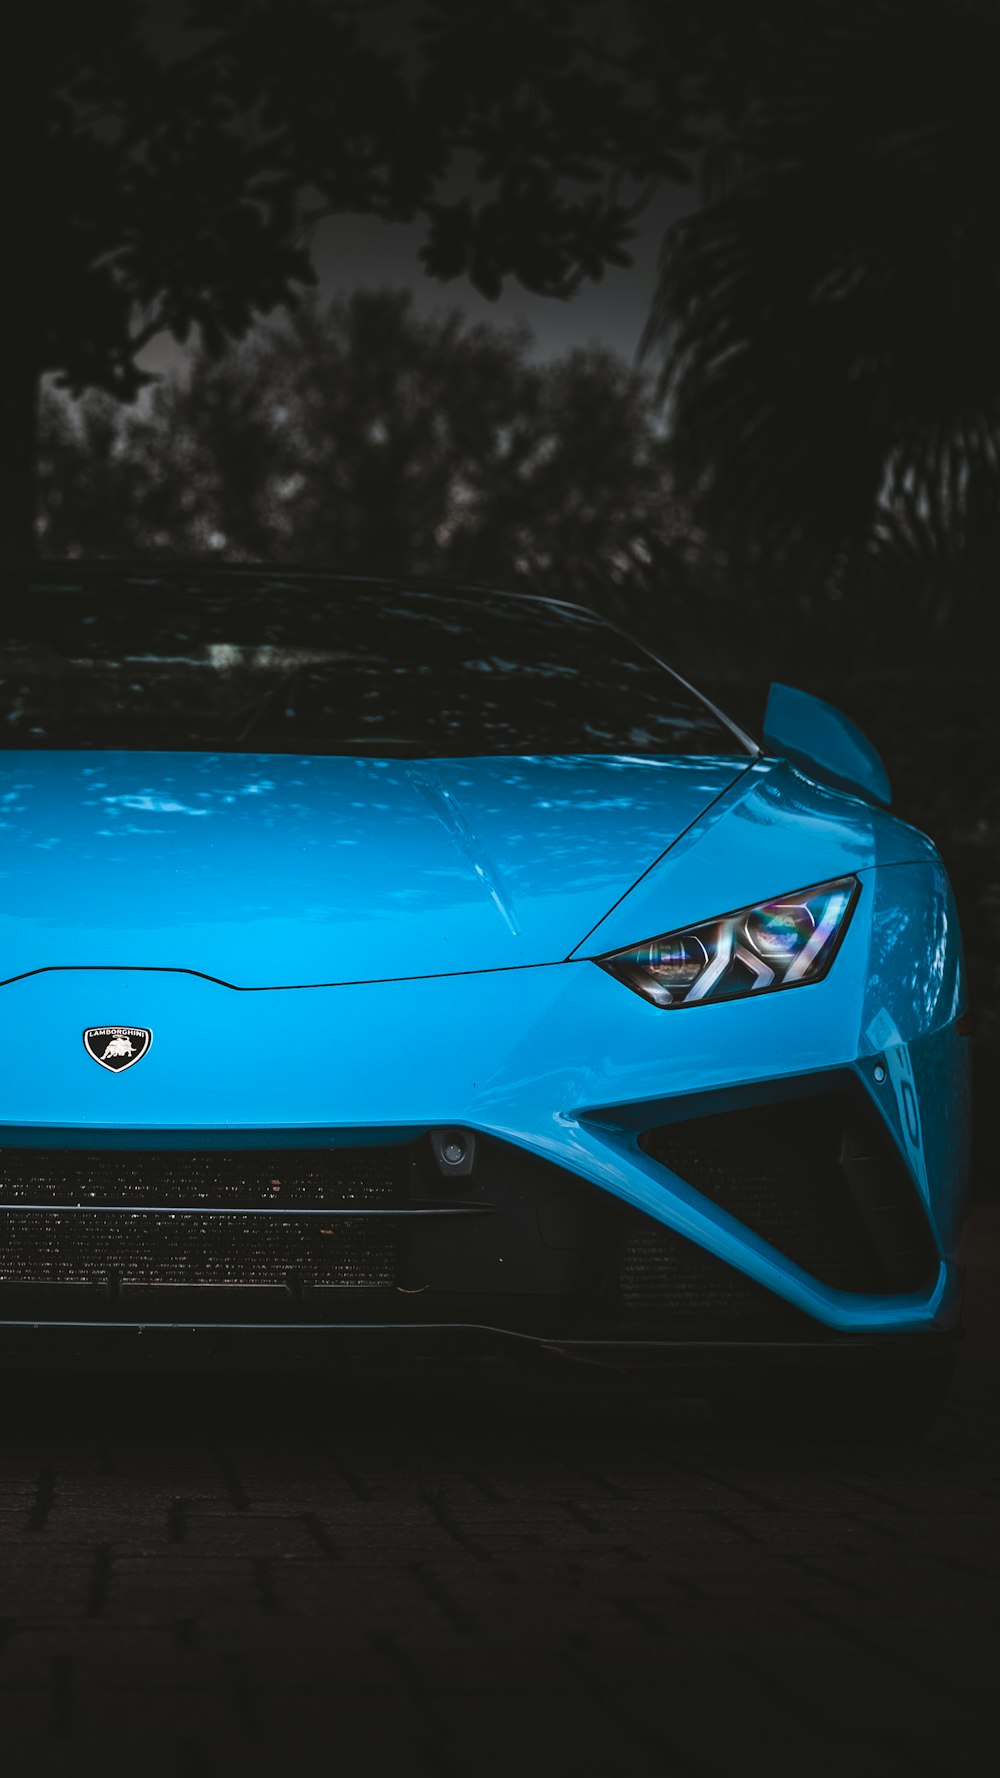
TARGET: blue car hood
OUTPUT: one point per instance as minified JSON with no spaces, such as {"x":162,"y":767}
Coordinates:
{"x":274,"y":870}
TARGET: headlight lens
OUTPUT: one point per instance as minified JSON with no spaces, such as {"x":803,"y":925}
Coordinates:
{"x":783,"y":943}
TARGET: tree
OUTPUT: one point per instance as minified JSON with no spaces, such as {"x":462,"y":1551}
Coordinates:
{"x":828,"y":319}
{"x":140,"y":207}
{"x":831,"y":365}
{"x":175,"y":189}
{"x":363,"y":436}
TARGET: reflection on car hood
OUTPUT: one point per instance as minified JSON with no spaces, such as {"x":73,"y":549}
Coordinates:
{"x":267,"y":870}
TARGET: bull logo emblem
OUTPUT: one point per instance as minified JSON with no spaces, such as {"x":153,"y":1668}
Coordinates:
{"x":117,"y":1047}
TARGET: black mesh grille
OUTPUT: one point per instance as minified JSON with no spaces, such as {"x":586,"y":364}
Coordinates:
{"x":667,"y":1286}
{"x":201,"y":1179}
{"x":87,"y":1247}
{"x":60,"y":1244}
{"x":817,"y":1179}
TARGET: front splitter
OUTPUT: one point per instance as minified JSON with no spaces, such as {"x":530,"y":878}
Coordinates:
{"x":401,"y":1348}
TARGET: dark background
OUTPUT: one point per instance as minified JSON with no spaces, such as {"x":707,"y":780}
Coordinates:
{"x":685,"y":311}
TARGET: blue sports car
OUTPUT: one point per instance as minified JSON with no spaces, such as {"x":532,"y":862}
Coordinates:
{"x":402,"y":968}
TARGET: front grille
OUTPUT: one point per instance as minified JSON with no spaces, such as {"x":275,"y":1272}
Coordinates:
{"x":88,"y":1247}
{"x":292,"y":1178}
{"x":520,"y":1243}
{"x":818,"y":1179}
{"x":70,"y":1240}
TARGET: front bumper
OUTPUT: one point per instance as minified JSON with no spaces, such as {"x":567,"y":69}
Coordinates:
{"x":558,"y":1063}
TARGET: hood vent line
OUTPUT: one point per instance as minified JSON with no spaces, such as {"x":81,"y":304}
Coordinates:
{"x":450,"y":814}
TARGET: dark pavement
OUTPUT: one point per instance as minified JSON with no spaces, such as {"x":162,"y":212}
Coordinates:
{"x":219,"y":1575}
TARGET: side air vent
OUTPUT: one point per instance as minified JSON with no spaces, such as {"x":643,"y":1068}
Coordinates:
{"x":818,"y":1179}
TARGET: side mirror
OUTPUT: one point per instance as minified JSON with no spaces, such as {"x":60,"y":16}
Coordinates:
{"x":824,"y":742}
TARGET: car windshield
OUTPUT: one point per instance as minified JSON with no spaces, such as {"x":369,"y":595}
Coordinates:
{"x":260,"y":663}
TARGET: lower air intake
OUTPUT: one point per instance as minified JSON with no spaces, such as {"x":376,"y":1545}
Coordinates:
{"x":73,"y":1216}
{"x":668,"y":1286}
{"x":88,"y":1247}
{"x":203,"y":1179}
{"x":818,"y":1179}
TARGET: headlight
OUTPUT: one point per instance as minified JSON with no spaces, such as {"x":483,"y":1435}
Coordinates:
{"x":776,"y":944}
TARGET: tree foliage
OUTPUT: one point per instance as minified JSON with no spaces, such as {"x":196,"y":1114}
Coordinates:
{"x":828,"y":319}
{"x":825,"y":322}
{"x":177,"y":190}
{"x":174,"y":187}
{"x":365,"y":436}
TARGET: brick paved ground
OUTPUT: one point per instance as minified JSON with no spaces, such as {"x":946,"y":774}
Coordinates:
{"x":209,"y":1577}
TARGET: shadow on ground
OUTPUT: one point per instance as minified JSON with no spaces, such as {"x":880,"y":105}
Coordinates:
{"x":204,"y":1574}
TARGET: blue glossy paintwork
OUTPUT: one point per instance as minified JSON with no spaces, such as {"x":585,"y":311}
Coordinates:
{"x":826,"y":743}
{"x":774,"y":830}
{"x":273,"y":870}
{"x":554,"y":1055}
{"x":527,"y":1054}
{"x":914,"y":994}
